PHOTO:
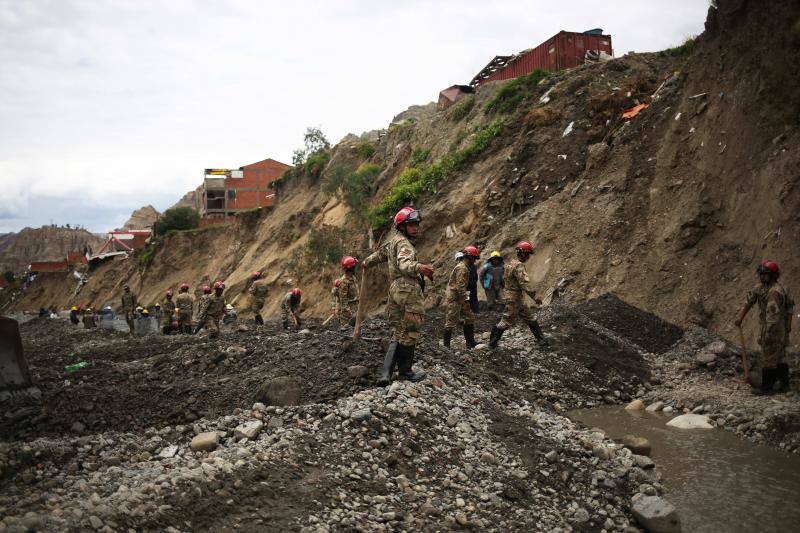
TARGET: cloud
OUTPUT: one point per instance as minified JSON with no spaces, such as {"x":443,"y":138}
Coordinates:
{"x":119,"y":104}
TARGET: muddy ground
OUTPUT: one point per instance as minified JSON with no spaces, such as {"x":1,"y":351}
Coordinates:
{"x":482,"y":442}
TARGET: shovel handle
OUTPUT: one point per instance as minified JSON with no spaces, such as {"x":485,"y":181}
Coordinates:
{"x":744,"y":355}
{"x":360,"y":311}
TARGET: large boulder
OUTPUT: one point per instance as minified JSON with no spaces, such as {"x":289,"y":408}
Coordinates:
{"x":285,"y":390}
{"x":655,"y":514}
{"x":638,"y":445}
{"x":690,"y":421}
{"x":635,"y":405}
{"x":205,"y":442}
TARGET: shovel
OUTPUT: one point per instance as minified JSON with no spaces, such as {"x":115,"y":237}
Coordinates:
{"x":744,"y":357}
{"x":360,"y":311}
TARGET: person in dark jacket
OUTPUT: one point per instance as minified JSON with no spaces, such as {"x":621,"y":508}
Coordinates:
{"x":473,"y":288}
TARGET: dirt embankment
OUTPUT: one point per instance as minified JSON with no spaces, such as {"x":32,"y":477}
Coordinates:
{"x":671,"y":210}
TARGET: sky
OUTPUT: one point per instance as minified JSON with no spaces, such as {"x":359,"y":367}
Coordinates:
{"x":109,"y":105}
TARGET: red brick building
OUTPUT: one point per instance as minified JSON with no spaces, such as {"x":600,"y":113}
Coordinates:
{"x":225,"y":192}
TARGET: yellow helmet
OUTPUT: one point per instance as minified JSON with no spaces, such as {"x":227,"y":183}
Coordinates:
{"x":495,"y":254}
{"x":73,"y":308}
{"x":145,"y":312}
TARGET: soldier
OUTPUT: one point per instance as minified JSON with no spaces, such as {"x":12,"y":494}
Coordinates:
{"x":169,"y":312}
{"x":259,"y":291}
{"x":290,"y":308}
{"x":404,"y":307}
{"x":185,"y":305}
{"x":457,"y":299}
{"x":212,"y":309}
{"x":129,"y":306}
{"x":517,"y":286}
{"x":89,"y":319}
{"x":347,"y":292}
{"x":776,"y":307}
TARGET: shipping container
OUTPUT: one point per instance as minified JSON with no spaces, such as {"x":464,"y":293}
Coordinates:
{"x":562,"y":51}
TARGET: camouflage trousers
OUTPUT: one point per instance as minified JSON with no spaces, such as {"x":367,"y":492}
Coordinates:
{"x":129,"y":316}
{"x":773,"y":350}
{"x":515,"y":308}
{"x":256,"y":305}
{"x":458,"y":310}
{"x":184,"y":322}
{"x":405,"y":311}
{"x":212,"y":325}
{"x":286,"y":316}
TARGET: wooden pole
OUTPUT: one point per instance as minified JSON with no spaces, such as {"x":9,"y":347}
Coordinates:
{"x":325,"y":323}
{"x":744,"y":356}
{"x":360,"y":312}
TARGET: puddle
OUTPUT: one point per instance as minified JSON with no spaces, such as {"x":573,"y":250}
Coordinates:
{"x":716,"y":480}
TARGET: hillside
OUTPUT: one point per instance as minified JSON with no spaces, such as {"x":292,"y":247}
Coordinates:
{"x":18,"y":250}
{"x":671,"y":210}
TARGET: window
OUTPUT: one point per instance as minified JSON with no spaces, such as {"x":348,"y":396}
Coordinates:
{"x":231,"y":194}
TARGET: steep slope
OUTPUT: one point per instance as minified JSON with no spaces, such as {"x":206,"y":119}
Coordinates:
{"x":142,"y":218}
{"x":670,"y":210}
{"x":18,"y":250}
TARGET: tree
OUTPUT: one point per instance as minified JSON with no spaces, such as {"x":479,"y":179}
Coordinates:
{"x":314,"y":142}
{"x":9,"y":275}
{"x":177,"y":218}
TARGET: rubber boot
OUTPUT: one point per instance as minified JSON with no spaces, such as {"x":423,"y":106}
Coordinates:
{"x":404,"y":363}
{"x":469,"y":335}
{"x":448,"y":334}
{"x":768,"y":376}
{"x":783,"y":377}
{"x":537,"y":332}
{"x":389,"y":362}
{"x":259,"y":320}
{"x":285,"y":324}
{"x":494,"y":337}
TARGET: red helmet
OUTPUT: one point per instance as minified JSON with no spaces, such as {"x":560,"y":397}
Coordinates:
{"x":219,"y":285}
{"x":169,"y":294}
{"x":297,"y":292}
{"x":255,"y":275}
{"x":337,"y":282}
{"x":184,"y":287}
{"x":406,"y":215}
{"x":206,"y":289}
{"x":524,"y":247}
{"x":769,"y":267}
{"x":349,"y":262}
{"x":471,"y":251}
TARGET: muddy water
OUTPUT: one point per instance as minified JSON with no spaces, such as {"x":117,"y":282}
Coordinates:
{"x":717,"y":481}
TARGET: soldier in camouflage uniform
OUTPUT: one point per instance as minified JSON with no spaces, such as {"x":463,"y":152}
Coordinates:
{"x":259,"y":292}
{"x":346,"y":292}
{"x":776,"y":307}
{"x":185,"y":305}
{"x":517,"y":285}
{"x":168,"y":313}
{"x":457,"y":298}
{"x":129,"y":306}
{"x":290,"y":308}
{"x":404,"y":307}
{"x":212,"y":309}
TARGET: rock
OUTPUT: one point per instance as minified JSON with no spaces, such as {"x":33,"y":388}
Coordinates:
{"x":205,"y":442}
{"x":285,"y":390}
{"x":242,"y":328}
{"x":96,"y":522}
{"x":168,"y":452}
{"x":653,"y":407}
{"x":635,"y":405}
{"x":236,"y":350}
{"x":77,"y":427}
{"x":690,"y":421}
{"x":638,"y":445}
{"x":718,"y":348}
{"x":643,"y":462}
{"x":361,"y":415}
{"x":260,"y":407}
{"x":705,"y":358}
{"x":487,"y":457}
{"x":304,"y":332}
{"x":452,"y":419}
{"x":656,"y":515}
{"x":462,"y":519}
{"x":581,"y":515}
{"x":357,"y":371}
{"x":604,"y":453}
{"x":668,"y":409}
{"x":551,"y":456}
{"x":482,"y":347}
{"x":248,"y":430}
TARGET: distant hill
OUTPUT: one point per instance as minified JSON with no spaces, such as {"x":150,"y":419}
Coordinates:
{"x":18,"y":250}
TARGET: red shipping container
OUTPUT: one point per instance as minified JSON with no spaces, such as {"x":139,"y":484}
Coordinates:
{"x":562,"y":51}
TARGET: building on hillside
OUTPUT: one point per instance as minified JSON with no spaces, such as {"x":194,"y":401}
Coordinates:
{"x":49,"y":266}
{"x":562,"y":51}
{"x":453,"y":94}
{"x":123,"y":242}
{"x":225,"y":192}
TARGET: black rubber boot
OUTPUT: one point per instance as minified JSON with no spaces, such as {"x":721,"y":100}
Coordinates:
{"x":285,"y":324}
{"x":448,"y":334}
{"x":259,"y":320}
{"x":783,"y":377}
{"x":537,"y":332}
{"x":494,"y":337}
{"x":389,"y":362}
{"x":469,"y":335}
{"x":768,"y":376}
{"x":404,"y":363}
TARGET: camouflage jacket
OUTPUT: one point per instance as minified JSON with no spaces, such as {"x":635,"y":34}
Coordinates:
{"x":213,"y":307}
{"x":289,"y":304}
{"x":346,"y":294}
{"x":516,"y":278}
{"x":457,"y":284}
{"x":259,"y":289}
{"x":775,"y":306}
{"x":401,"y":256}
{"x":128,"y":301}
{"x":184,"y":302}
{"x":169,"y":306}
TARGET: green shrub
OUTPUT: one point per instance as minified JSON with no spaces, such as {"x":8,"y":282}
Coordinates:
{"x":177,"y":219}
{"x":419,"y":156}
{"x":414,"y":181}
{"x":316,"y":163}
{"x":462,"y":108}
{"x":683,"y":50}
{"x":146,"y":257}
{"x":365,"y":150}
{"x":514,"y":92}
{"x":325,"y":245}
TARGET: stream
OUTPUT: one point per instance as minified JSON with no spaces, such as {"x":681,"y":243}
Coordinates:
{"x":717,"y":481}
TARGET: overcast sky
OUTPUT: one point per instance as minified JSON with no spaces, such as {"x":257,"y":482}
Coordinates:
{"x":106,"y":106}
